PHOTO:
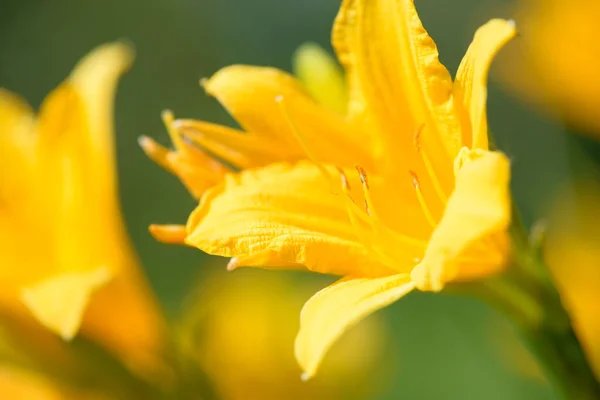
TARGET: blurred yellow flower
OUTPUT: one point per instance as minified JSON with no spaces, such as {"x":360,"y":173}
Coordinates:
{"x":65,"y":257}
{"x":555,"y":61}
{"x":573,"y":256}
{"x":263,"y":308}
{"x":411,"y":146}
{"x":21,"y":384}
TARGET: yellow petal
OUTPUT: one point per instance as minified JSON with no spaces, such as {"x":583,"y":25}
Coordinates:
{"x":470,"y":87}
{"x":95,"y":79}
{"x":281,"y":214}
{"x":17,"y":151}
{"x":16,"y":136}
{"x":59,"y":303}
{"x":196,"y":170}
{"x":77,"y":168}
{"x":236,"y":148}
{"x":396,"y":81}
{"x":124,"y":317}
{"x":330,"y":312}
{"x":322,"y":77}
{"x":194,"y":166}
{"x":66,"y":177}
{"x":172,"y":234}
{"x":156,"y":152}
{"x":250,"y":93}
{"x":479,"y":208}
{"x":263,"y":259}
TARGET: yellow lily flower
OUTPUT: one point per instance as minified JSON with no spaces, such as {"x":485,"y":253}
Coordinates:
{"x":411,"y":146}
{"x":554,"y":64}
{"x":65,"y":258}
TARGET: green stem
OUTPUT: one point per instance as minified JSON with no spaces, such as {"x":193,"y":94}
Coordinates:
{"x":528,"y":296}
{"x":562,"y":358}
{"x":547,"y":329}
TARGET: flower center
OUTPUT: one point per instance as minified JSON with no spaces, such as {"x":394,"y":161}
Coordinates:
{"x":369,"y":229}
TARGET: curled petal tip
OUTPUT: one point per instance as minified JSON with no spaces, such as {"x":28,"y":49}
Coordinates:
{"x":167,"y":116}
{"x":305,"y":377}
{"x":233,"y":264}
{"x":144,"y":141}
{"x":203,"y":83}
{"x":155,"y":151}
{"x":67,"y":336}
{"x":170,"y":234}
{"x":512,"y":23}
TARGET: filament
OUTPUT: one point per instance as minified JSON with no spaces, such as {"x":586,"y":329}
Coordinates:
{"x":355,"y":214}
{"x":371,"y":218}
{"x":428,"y":167}
{"x":426,"y":211}
{"x":300,"y":138}
{"x":364,"y":181}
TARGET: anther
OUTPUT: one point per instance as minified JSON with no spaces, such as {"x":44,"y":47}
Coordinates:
{"x":362,"y":175}
{"x":417,"y":138}
{"x":415,"y":180}
{"x":364,"y":180}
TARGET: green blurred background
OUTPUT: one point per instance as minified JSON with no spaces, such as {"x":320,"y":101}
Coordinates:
{"x":445,"y":347}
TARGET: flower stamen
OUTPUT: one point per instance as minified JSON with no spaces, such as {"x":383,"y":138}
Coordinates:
{"x":370,"y":217}
{"x":364,"y":181}
{"x":417,"y":186}
{"x":378,"y":238}
{"x":355,"y":214}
